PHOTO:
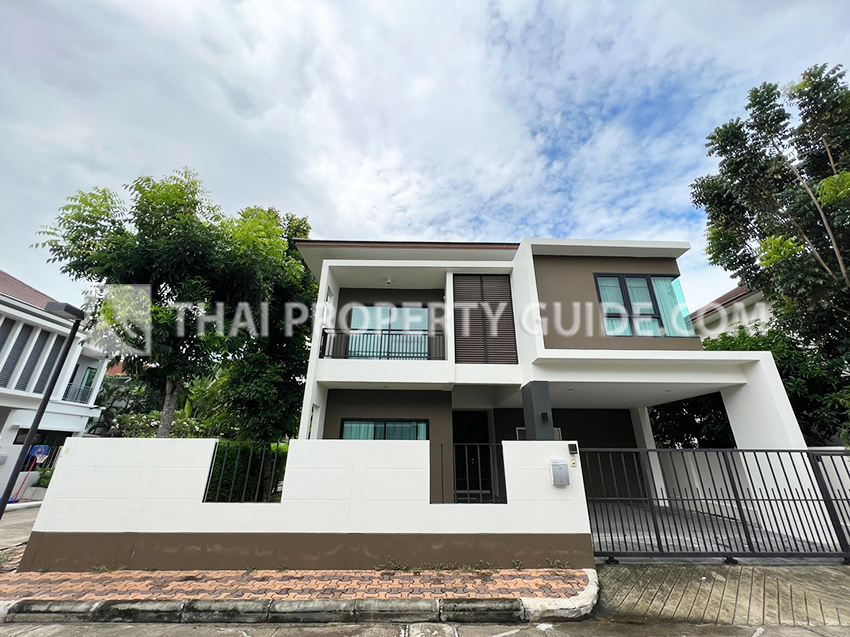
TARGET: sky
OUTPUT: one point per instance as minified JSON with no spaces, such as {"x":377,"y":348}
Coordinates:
{"x":431,"y":120}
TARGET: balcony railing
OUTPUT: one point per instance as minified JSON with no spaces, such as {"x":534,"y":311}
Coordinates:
{"x":77,"y":394}
{"x":405,"y":345}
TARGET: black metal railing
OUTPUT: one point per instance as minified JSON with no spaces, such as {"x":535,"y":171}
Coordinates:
{"x":718,"y":502}
{"x":77,"y":394}
{"x":383,"y":344}
{"x":247,"y":472}
{"x":472,"y":474}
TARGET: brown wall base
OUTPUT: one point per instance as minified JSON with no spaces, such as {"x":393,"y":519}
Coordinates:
{"x":238,"y":551}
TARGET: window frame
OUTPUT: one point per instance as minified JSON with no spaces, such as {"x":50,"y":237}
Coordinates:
{"x":628,"y":304}
{"x":427,"y":422}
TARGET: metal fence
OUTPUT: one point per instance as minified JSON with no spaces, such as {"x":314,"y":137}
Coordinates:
{"x":718,"y":502}
{"x":246,"y":472}
{"x":383,"y":344}
{"x":476,"y":476}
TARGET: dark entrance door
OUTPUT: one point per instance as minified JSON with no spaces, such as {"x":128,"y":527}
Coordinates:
{"x":476,"y":460}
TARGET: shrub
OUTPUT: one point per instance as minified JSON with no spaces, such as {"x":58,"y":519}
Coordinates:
{"x":44,"y":476}
{"x":244,"y":471}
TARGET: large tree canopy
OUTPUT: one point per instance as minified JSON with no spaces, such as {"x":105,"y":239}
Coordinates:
{"x":173,"y":238}
{"x":779,"y":207}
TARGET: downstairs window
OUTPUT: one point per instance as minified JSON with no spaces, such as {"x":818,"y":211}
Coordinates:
{"x":384,"y":430}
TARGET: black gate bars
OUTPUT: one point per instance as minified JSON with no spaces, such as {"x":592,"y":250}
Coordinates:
{"x":718,"y":502}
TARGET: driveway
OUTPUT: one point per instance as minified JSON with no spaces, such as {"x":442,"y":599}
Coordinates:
{"x":15,"y":527}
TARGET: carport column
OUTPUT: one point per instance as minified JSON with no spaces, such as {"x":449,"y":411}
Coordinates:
{"x":645,"y":440}
{"x":759,"y":410}
{"x":537,"y":411}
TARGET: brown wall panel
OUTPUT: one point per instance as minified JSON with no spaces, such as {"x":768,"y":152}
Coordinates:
{"x":611,"y":428}
{"x":569,"y":280}
{"x":79,"y":552}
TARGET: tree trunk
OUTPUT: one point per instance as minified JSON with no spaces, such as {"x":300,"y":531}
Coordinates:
{"x":172,"y":391}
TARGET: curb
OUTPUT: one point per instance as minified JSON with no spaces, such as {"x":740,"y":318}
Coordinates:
{"x":314,"y":611}
{"x":18,"y":506}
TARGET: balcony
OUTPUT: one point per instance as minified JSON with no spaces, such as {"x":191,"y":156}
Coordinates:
{"x":383,"y":344}
{"x":77,"y":394}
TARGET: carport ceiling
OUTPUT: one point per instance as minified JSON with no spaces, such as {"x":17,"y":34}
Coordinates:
{"x":618,"y":395}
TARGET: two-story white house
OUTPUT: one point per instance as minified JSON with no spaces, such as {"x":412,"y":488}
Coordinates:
{"x":459,"y":402}
{"x":591,"y":334}
{"x":30,"y":342}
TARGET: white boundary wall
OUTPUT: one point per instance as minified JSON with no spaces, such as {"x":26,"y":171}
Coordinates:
{"x":330,"y":486}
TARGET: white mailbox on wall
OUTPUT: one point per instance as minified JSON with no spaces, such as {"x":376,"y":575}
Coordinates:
{"x":560,"y":472}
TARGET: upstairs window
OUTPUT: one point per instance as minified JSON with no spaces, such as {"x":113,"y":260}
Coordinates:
{"x":643,"y":305}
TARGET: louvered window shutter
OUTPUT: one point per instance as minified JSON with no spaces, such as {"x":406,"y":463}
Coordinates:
{"x":15,"y":355}
{"x":477,"y":339}
{"x":32,"y":361}
{"x":49,"y":364}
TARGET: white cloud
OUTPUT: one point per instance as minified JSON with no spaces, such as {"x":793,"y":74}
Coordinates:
{"x":466,"y":121}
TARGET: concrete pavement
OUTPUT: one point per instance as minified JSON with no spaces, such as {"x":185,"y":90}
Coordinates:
{"x":582,"y":629}
{"x":809,"y":596}
{"x":15,"y":527}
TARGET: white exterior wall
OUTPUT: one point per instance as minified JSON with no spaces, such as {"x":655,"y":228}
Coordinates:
{"x":330,"y":486}
{"x":759,"y":410}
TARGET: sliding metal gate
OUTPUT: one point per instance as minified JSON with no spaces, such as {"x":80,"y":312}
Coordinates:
{"x":718,"y":502}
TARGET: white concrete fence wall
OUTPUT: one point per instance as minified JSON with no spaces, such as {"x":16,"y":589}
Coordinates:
{"x":330,"y":486}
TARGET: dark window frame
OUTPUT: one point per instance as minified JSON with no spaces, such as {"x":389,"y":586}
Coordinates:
{"x":628,"y":303}
{"x":384,"y":421}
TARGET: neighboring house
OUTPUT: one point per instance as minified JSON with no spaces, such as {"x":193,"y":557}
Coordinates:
{"x":30,"y":342}
{"x":740,"y":306}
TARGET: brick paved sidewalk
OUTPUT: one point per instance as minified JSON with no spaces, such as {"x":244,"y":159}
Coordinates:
{"x":293,"y":585}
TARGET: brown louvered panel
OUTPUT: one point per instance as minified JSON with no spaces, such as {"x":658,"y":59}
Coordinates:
{"x":469,"y":332}
{"x":501,"y":342}
{"x":480,"y":343}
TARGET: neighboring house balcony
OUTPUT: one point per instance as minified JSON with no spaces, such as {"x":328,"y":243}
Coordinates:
{"x":77,"y":394}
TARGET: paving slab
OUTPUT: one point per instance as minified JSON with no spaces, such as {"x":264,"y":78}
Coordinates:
{"x":295,"y":585}
{"x":803,"y":596}
{"x":655,"y":629}
{"x":15,"y":527}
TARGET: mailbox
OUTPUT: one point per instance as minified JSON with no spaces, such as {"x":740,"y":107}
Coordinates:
{"x":560,"y":472}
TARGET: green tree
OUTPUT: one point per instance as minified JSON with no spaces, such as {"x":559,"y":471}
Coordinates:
{"x":779,"y":206}
{"x":815,"y":383}
{"x":172,"y":237}
{"x":258,"y":393}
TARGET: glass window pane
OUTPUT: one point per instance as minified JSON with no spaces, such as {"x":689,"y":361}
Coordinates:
{"x":639,"y":296}
{"x":647,"y":327}
{"x":359,"y":430}
{"x":409,"y":318}
{"x":611,"y":295}
{"x":671,"y":305}
{"x":617,"y":327}
{"x":406,"y":431}
{"x":370,"y":317}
